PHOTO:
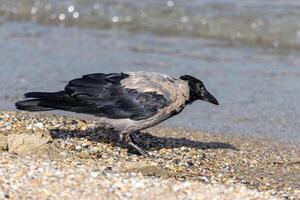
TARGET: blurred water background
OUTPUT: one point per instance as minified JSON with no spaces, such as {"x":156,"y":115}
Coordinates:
{"x":246,"y":52}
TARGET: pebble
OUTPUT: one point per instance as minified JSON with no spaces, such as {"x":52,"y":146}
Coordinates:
{"x":205,"y":179}
{"x":39,"y":125}
{"x":94,"y":174}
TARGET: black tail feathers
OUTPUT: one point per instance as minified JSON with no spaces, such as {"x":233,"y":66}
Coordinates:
{"x":31,"y":105}
{"x":41,"y":101}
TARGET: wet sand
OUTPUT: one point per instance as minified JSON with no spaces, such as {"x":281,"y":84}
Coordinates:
{"x":48,"y":156}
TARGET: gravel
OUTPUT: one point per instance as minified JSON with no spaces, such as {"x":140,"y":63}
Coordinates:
{"x":61,"y":157}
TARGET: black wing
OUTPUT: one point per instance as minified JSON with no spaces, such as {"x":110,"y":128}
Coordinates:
{"x":102,"y":95}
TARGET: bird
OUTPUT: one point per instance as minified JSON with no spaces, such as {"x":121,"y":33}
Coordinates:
{"x":127,"y":102}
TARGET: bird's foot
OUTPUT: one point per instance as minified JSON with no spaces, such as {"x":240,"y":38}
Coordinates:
{"x":127,"y":139}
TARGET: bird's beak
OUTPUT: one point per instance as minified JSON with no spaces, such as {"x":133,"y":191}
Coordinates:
{"x":206,"y":96}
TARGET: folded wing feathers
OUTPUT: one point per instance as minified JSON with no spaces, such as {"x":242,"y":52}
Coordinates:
{"x":100,"y":94}
{"x":46,"y":95}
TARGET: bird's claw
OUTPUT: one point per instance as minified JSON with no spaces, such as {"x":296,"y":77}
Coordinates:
{"x":138,"y":149}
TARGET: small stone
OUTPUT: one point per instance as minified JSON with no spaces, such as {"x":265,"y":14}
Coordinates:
{"x":180,"y":169}
{"x":6,"y":195}
{"x":78,"y":147}
{"x":3,"y":142}
{"x":29,"y":127}
{"x":39,"y":125}
{"x":36,"y":182}
{"x":204,"y":178}
{"x":84,"y":154}
{"x":20,"y":173}
{"x":7,"y":126}
{"x":224,"y":180}
{"x":83,"y":127}
{"x":94,"y":174}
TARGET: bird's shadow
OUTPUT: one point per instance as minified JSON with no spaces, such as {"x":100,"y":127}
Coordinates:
{"x":142,"y":139}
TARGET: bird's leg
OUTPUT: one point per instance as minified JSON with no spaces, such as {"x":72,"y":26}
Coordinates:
{"x":127,"y":139}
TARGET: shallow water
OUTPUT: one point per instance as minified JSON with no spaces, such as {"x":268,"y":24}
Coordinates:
{"x":254,"y":72}
{"x":253,"y":22}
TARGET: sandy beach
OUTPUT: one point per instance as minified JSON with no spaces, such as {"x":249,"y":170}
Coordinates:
{"x":59,"y":157}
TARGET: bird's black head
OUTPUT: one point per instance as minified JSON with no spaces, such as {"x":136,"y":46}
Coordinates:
{"x":198,"y":90}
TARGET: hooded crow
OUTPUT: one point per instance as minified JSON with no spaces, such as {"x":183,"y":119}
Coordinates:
{"x":127,"y":102}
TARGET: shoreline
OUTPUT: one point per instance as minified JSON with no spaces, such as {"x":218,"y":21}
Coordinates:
{"x":186,"y":163}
